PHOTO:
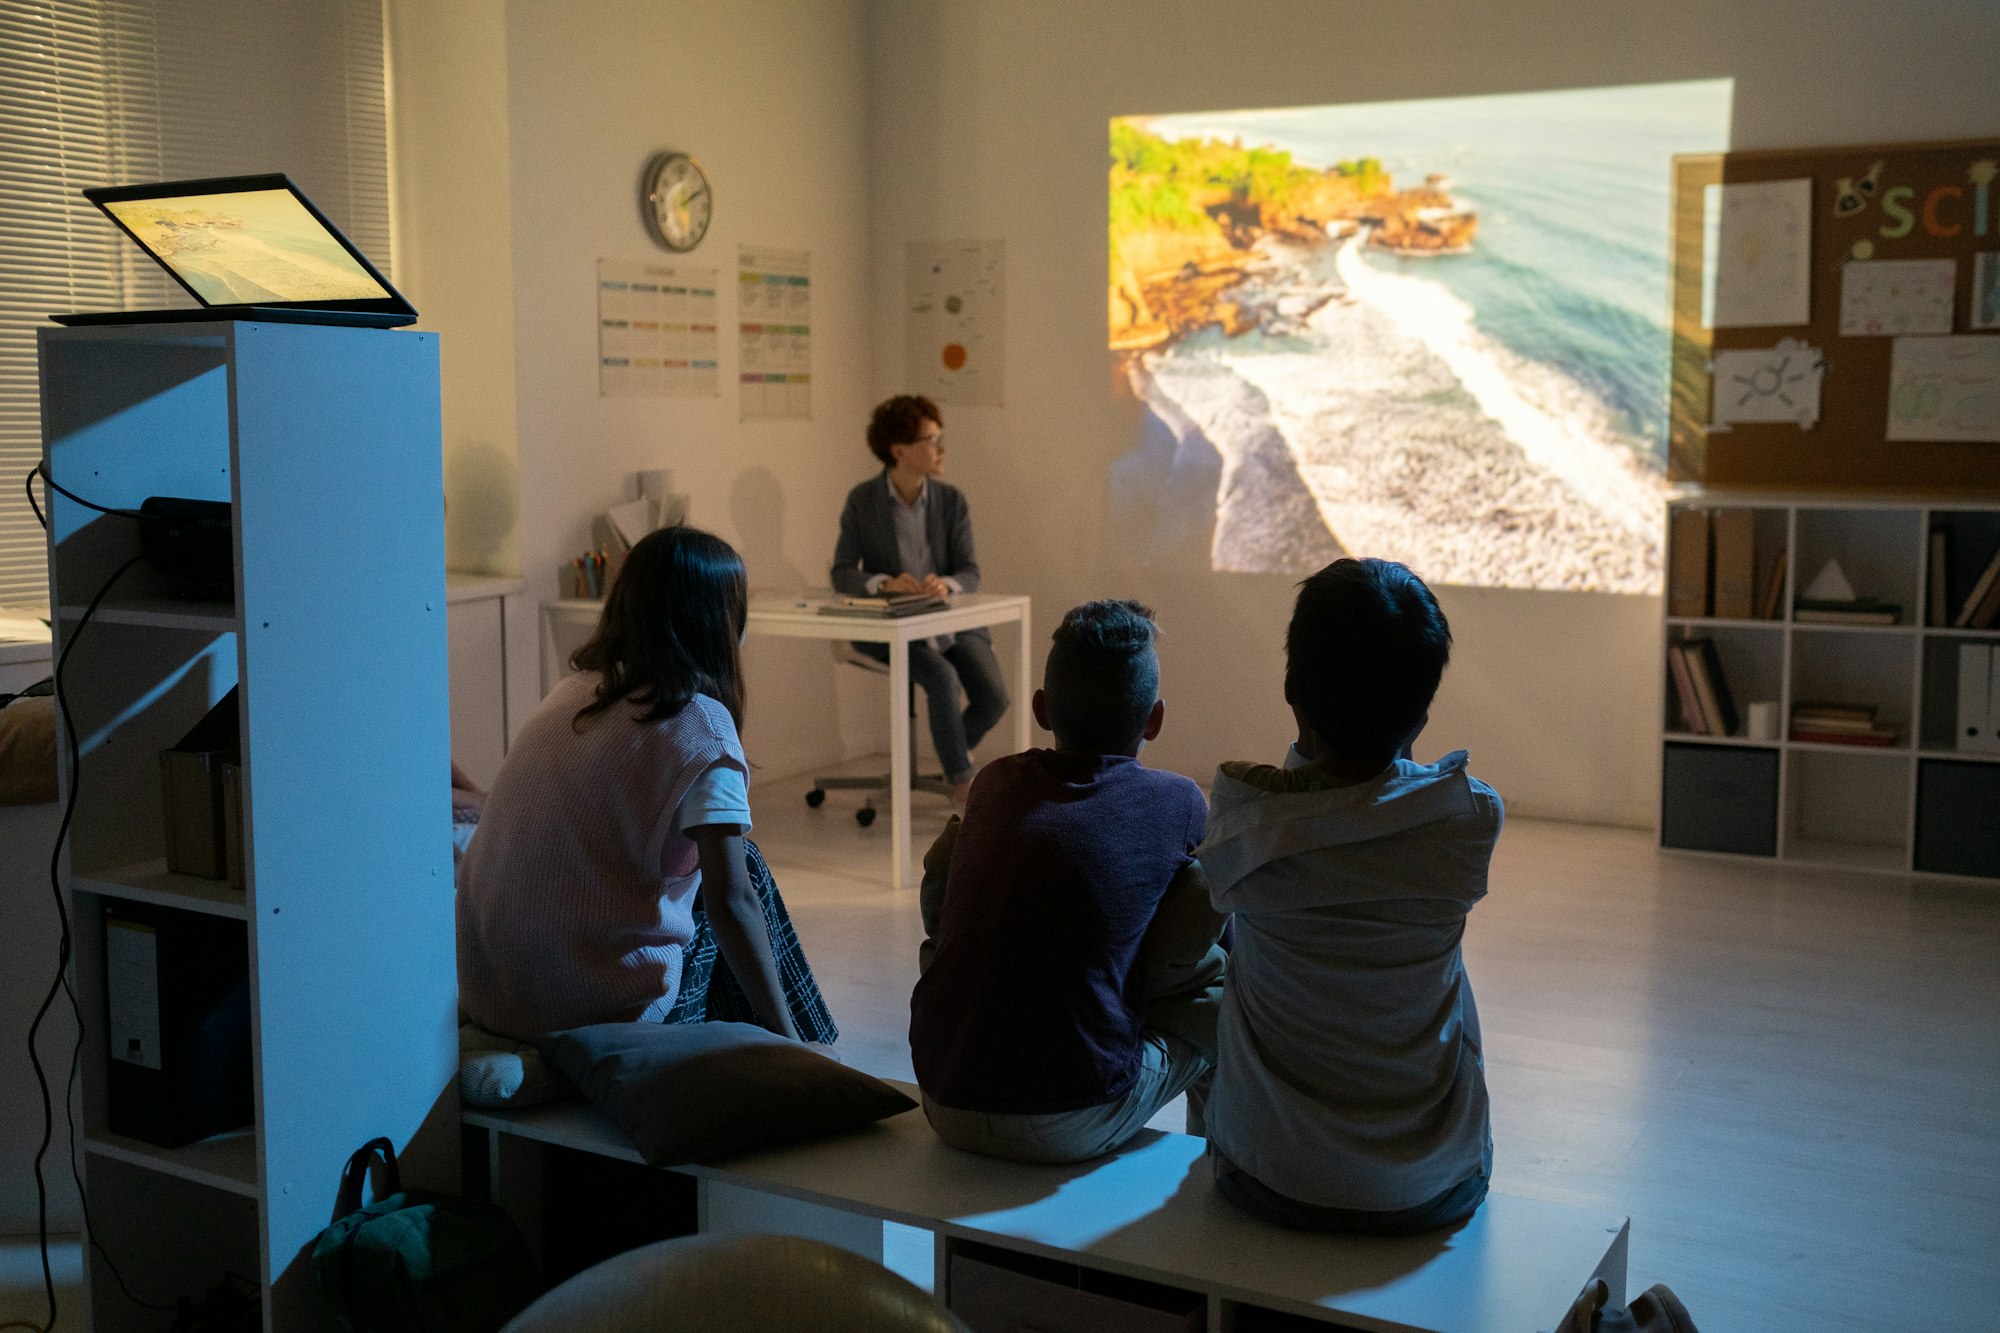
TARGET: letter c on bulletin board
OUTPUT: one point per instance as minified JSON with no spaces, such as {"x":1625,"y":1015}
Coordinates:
{"x":1931,"y":223}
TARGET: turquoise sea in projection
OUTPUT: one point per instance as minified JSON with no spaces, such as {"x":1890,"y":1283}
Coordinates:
{"x":1526,"y":379}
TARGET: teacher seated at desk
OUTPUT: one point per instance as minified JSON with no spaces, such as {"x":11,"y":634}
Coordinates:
{"x":908,"y":531}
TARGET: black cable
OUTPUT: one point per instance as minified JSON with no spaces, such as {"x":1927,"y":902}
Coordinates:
{"x":63,"y":949}
{"x":65,"y":943}
{"x":42,"y":470}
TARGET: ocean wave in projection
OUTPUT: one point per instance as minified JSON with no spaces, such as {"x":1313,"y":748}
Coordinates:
{"x":1430,"y":331}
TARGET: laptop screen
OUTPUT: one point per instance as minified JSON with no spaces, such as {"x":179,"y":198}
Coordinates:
{"x":247,"y":247}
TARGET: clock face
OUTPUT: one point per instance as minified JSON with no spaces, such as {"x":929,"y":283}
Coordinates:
{"x":676,"y":201}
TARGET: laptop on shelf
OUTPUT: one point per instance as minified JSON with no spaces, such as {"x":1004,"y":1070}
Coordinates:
{"x":247,"y":247}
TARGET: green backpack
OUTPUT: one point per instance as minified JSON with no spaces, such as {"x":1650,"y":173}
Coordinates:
{"x":418,"y":1262}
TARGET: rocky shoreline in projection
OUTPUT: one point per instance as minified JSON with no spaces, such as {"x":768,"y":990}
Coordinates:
{"x":1357,"y":409}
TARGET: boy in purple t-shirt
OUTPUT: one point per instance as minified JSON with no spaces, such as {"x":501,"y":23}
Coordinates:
{"x":1071,"y":975}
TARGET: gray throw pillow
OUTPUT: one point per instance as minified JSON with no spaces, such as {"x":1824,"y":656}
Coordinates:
{"x":694,"y":1092}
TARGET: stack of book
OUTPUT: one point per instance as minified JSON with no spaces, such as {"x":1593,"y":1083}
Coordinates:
{"x":1846,"y":611}
{"x":891,"y":607}
{"x":1840,"y":724}
{"x":1707,"y":707}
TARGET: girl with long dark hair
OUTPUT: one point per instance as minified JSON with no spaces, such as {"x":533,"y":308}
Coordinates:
{"x":610,"y":871}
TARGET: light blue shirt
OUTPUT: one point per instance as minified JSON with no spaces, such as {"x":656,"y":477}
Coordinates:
{"x":913,"y":546}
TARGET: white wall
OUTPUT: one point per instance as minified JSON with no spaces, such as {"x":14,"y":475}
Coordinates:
{"x":988,"y":119}
{"x":768,"y":94}
{"x":450,"y":187}
{"x":522,"y":131}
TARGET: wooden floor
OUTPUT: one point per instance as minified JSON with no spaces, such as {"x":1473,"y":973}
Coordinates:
{"x":1790,"y":1080}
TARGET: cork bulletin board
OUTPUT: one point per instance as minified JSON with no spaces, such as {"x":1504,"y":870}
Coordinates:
{"x":1836,"y":319}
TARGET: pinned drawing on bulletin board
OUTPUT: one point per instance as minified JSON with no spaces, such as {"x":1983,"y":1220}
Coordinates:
{"x":1945,"y":389}
{"x":1762,"y":266}
{"x":1778,"y":383}
{"x":1896,"y":297}
{"x":954,"y":320}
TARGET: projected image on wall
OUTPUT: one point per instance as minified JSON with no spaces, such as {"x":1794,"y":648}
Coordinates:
{"x":1434,"y":331}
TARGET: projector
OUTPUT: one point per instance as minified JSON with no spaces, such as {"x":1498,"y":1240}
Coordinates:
{"x":189,"y":542}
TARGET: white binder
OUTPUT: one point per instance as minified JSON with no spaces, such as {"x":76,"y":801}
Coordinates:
{"x":1978,"y":698}
{"x":1993,"y":702}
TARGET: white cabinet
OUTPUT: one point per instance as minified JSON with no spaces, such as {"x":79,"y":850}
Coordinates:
{"x":1924,"y":802}
{"x":326,"y":443}
{"x":480,"y":605}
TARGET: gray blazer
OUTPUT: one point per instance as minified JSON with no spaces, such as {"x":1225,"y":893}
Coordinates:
{"x":867,"y":542}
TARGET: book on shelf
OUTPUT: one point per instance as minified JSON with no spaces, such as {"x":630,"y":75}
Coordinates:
{"x":1735,"y":543}
{"x":1840,"y":724}
{"x":1847,"y":711}
{"x":1937,"y":575}
{"x":892,"y":607}
{"x":1877,"y":735}
{"x":1687,"y":562}
{"x":1677,"y":667}
{"x":1981,"y":607}
{"x":1851,"y":611}
{"x":1771,"y":602}
{"x":1711,"y":686}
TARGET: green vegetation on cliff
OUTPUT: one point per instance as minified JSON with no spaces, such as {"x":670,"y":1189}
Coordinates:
{"x":1171,"y":185}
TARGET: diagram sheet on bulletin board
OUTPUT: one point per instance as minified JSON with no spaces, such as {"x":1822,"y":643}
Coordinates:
{"x":1945,"y":389}
{"x":954,"y":320}
{"x":774,"y":332}
{"x":657,"y":331}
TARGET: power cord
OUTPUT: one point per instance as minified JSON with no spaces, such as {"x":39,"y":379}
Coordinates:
{"x":65,"y":945}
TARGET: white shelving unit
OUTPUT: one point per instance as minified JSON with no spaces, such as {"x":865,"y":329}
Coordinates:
{"x":1893,"y":808}
{"x":326,"y":442}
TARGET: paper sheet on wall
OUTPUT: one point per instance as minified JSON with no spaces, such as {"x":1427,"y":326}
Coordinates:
{"x":1945,"y":389}
{"x":1896,"y":297}
{"x":774,"y":334}
{"x":1763,"y":254}
{"x":658,"y":335}
{"x":1778,"y":383}
{"x":954,"y":320}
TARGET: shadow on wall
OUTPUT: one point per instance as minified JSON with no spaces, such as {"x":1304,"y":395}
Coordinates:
{"x":757,"y":514}
{"x":481,"y":518}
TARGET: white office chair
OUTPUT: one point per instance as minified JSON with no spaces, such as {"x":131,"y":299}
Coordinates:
{"x":934,"y":783}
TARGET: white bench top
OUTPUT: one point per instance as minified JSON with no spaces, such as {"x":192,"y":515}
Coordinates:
{"x":1151,"y":1211}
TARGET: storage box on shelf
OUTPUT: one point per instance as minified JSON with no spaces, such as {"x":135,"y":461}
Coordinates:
{"x":325,"y":441}
{"x":1867,"y":666}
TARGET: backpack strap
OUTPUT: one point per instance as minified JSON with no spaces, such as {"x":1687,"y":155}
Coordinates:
{"x":355,"y":1173}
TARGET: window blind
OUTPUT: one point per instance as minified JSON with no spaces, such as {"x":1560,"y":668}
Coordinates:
{"x":109,"y":92}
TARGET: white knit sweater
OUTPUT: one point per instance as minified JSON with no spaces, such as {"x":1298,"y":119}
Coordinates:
{"x":576,"y":898}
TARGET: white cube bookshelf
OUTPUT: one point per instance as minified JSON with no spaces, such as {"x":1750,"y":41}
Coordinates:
{"x":1921,"y":806}
{"x":326,"y":443}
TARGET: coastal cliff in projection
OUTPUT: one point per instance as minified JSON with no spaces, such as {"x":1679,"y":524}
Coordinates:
{"x":1431,"y":331}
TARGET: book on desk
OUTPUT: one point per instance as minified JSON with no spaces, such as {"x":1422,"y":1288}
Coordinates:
{"x":892,"y":607}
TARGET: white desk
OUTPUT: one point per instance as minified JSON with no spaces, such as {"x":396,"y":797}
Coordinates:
{"x":799,"y":618}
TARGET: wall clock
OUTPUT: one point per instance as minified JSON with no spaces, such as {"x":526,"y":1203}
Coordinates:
{"x":676,"y":200}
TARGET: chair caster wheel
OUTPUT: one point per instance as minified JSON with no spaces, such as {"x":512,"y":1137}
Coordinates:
{"x":815,"y":798}
{"x":865,"y":816}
